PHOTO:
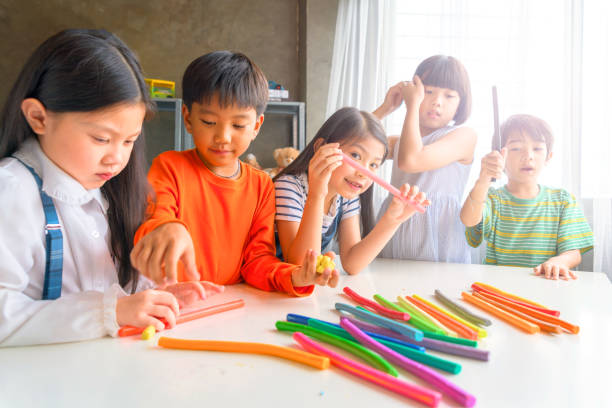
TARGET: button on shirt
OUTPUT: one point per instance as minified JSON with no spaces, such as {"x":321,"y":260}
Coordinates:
{"x":86,"y":308}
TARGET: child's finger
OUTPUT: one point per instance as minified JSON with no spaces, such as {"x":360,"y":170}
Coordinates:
{"x":163,"y":312}
{"x":548,"y":271}
{"x":417,"y":80}
{"x":189,"y":263}
{"x":211,"y":288}
{"x":154,"y":265}
{"x":333,"y":280}
{"x":537,"y":270}
{"x":572,"y":274}
{"x":167,"y":299}
{"x":171,"y":258}
{"x":331,"y":255}
{"x":323,"y":278}
{"x":555,"y":272}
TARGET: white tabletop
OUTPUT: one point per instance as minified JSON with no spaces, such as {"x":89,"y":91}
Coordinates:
{"x":523,"y":371}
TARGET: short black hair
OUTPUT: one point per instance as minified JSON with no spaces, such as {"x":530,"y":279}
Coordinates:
{"x":443,"y":71}
{"x":232,"y":76}
{"x":537,"y":129}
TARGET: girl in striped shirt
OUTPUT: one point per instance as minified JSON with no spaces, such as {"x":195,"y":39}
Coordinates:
{"x":319,"y":197}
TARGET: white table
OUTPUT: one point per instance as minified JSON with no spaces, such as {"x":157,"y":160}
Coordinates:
{"x":523,"y":371}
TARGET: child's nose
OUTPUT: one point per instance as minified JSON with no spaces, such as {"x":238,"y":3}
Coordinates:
{"x":224,"y":135}
{"x":113,"y":155}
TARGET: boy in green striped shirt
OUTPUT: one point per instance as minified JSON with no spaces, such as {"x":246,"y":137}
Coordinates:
{"x":525,"y":223}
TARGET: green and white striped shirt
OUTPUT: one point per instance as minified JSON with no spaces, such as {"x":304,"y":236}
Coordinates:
{"x":527,"y":232}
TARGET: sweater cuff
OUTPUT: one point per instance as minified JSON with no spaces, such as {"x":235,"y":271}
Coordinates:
{"x":288,"y":287}
{"x":110,"y":309}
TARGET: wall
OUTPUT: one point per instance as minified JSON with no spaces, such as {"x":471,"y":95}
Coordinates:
{"x":291,"y":40}
{"x":166,"y":35}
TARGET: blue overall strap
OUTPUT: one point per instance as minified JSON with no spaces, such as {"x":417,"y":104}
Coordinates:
{"x":328,"y":236}
{"x":52,"y":288}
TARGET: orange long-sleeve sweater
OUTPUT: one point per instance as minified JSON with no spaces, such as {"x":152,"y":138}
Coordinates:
{"x":231,"y":222}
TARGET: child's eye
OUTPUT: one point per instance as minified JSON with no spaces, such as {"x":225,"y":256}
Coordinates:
{"x":450,"y":96}
{"x":129,"y":142}
{"x":100,"y":139}
{"x":428,"y":91}
{"x":374,"y":166}
{"x":355,"y":155}
{"x":207,"y":123}
{"x":239,"y":126}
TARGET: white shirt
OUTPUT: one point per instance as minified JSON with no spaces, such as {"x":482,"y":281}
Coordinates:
{"x":87,"y":306}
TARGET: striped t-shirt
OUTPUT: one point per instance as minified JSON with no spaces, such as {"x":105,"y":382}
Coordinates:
{"x":527,"y":232}
{"x":291,"y":193}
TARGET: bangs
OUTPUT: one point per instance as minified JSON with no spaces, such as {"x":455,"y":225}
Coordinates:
{"x":442,"y":74}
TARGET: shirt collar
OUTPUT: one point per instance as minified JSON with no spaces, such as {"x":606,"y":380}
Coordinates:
{"x":57,"y":183}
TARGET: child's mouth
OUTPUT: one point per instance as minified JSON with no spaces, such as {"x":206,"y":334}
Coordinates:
{"x":354,"y":186}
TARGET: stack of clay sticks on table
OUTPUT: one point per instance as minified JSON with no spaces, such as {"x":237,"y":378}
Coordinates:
{"x":522,"y":313}
{"x":385,"y":335}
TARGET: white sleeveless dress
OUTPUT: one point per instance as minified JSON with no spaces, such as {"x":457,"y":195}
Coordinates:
{"x":438,"y":234}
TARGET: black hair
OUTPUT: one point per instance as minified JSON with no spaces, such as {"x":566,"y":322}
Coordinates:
{"x":345,"y":125}
{"x":534,"y":127}
{"x":79,"y":70}
{"x":444,"y":71}
{"x":232,"y":76}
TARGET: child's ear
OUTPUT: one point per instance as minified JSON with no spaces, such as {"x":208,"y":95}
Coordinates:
{"x":258,"y":124}
{"x":549,"y":156}
{"x":35,"y":114}
{"x":186,"y":118}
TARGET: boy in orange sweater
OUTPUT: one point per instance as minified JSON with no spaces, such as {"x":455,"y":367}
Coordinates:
{"x":213,"y":216}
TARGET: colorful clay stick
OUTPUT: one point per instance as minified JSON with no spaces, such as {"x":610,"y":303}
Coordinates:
{"x":288,"y":353}
{"x":461,"y":329}
{"x":381,"y":321}
{"x":428,"y":359}
{"x":519,"y":301}
{"x":440,"y":328}
{"x":479,"y":330}
{"x":441,"y":383}
{"x":182,"y":318}
{"x":293,"y":318}
{"x":384,"y":311}
{"x":509,"y":295}
{"x":508,"y":317}
{"x":414,"y":320}
{"x":365,"y":354}
{"x":461,"y":311}
{"x":412,"y":391}
{"x":431,"y":344}
{"x":544,"y":327}
{"x":538,"y":315}
{"x":393,"y":190}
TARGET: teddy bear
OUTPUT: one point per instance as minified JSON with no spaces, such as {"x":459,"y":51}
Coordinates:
{"x":283,"y":157}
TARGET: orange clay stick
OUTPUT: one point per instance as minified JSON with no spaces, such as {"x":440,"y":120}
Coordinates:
{"x":517,"y":299}
{"x":480,"y":289}
{"x":545,"y":327}
{"x":510,"y":318}
{"x":507,"y":294}
{"x":534,"y":313}
{"x":461,"y":330}
{"x":300,"y":356}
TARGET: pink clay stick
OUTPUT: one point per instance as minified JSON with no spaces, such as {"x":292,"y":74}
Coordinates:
{"x":383,"y":183}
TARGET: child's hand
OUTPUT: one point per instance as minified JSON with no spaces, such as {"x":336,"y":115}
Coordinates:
{"x":393,"y":100}
{"x":400,"y":210}
{"x":157,"y":254}
{"x":146,"y":308}
{"x":187,"y":293}
{"x":554,"y":269}
{"x":325,"y":160}
{"x":492,"y":165}
{"x":307,"y":275}
{"x":413,"y":93}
